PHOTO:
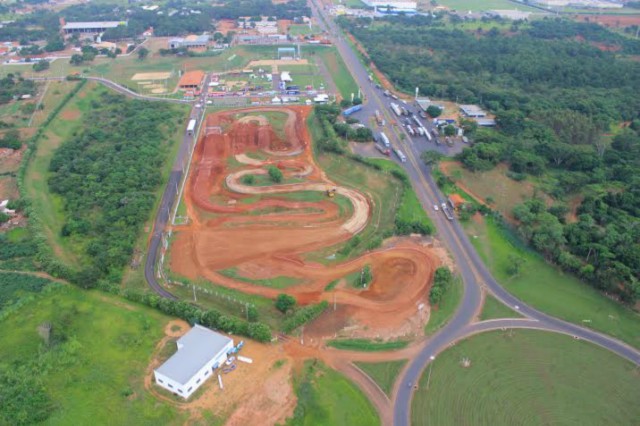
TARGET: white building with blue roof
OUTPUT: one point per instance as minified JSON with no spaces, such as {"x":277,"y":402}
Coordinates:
{"x":200,"y":351}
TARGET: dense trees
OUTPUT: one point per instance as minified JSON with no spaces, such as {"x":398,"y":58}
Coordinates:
{"x":12,"y":86}
{"x":107,"y":175}
{"x":442,"y":280}
{"x":556,"y":91}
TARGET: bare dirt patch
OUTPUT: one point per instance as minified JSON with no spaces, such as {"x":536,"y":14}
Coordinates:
{"x":70,"y":114}
{"x":141,"y":76}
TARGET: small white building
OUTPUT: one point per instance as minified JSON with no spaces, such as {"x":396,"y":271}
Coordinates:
{"x":286,"y":77}
{"x":200,"y":351}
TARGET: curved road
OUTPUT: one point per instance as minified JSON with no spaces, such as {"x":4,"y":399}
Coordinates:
{"x":473,"y":271}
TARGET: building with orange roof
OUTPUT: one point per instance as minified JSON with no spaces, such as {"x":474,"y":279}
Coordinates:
{"x":191,"y":80}
{"x":456,"y":201}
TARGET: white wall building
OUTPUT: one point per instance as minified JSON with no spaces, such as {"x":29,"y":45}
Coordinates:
{"x":200,"y":351}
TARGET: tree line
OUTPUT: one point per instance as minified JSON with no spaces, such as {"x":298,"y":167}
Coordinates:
{"x":555,"y":93}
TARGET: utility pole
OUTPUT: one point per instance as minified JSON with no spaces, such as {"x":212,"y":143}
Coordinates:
{"x":193,"y":286}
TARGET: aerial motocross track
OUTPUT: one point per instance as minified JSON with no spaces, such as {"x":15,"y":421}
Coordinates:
{"x":263,"y":232}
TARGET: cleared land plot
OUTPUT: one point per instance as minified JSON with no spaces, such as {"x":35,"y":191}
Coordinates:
{"x":505,"y":192}
{"x":325,"y":397}
{"x":547,"y":288}
{"x":527,"y":378}
{"x":96,"y":374}
{"x":383,"y":373}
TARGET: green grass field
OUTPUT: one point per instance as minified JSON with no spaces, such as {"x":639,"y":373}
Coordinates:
{"x":96,"y":375}
{"x":47,"y":205}
{"x":527,"y":378}
{"x":441,"y":314}
{"x":546,"y":288}
{"x":493,"y":309}
{"x":276,"y":282}
{"x":325,"y":397}
{"x":365,"y":345}
{"x":303,"y":29}
{"x":383,"y":373}
{"x":341,"y":76}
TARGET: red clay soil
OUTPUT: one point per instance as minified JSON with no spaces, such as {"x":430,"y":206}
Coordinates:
{"x":263,"y":234}
{"x":611,"y":21}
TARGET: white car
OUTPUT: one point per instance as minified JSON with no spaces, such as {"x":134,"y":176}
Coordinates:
{"x":198,"y":106}
{"x":435,"y":207}
{"x":209,"y":102}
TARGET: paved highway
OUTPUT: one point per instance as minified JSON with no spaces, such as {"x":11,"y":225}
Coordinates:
{"x":474,"y":273}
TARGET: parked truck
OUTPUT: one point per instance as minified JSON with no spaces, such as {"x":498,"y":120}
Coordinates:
{"x":404,"y":111}
{"x":347,"y":112}
{"x":385,"y":140}
{"x":427,"y":135}
{"x":396,"y":109}
{"x":410,"y":130}
{"x":383,"y":150}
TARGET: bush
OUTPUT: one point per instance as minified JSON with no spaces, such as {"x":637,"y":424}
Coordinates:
{"x":434,"y":111}
{"x":442,"y":280}
{"x":284,"y":302}
{"x":275,"y":174}
{"x":248,"y":179}
{"x":41,"y":66}
{"x":304,"y":315}
{"x":11,"y":140}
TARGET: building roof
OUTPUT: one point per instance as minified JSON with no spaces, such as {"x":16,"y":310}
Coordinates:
{"x":89,"y":25}
{"x":191,"y":78}
{"x":457,"y":199}
{"x":199,"y":346}
{"x":486,"y":122}
{"x":472,"y":110}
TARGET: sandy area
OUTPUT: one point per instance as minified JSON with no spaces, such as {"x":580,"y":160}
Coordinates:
{"x":141,"y":76}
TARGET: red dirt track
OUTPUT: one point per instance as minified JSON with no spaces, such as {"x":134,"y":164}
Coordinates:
{"x":263,"y":234}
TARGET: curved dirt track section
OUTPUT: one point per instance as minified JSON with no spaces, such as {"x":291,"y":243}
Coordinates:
{"x":264,"y":230}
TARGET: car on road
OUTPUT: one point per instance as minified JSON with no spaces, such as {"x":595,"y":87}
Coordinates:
{"x":198,"y":106}
{"x":435,"y":207}
{"x":444,"y":205}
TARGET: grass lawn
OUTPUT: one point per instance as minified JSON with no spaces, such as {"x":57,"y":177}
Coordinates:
{"x":440,"y":315}
{"x":47,"y":205}
{"x":95,"y":376}
{"x":546,"y":288}
{"x":325,"y":397}
{"x":410,"y":209}
{"x":303,"y":29}
{"x":528,"y":378}
{"x":276,"y":282}
{"x":341,"y":76}
{"x":365,"y":345}
{"x":493,"y":309}
{"x":385,"y":191}
{"x":383,"y":373}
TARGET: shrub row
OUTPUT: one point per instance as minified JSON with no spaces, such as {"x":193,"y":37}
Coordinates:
{"x":304,"y":315}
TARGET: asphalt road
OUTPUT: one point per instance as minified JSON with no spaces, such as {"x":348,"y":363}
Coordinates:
{"x":474,"y":273}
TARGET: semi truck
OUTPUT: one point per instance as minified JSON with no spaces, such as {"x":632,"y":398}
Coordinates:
{"x":383,"y":150}
{"x":385,"y":140}
{"x":427,"y":135}
{"x":191,"y":127}
{"x":410,"y":130}
{"x":400,"y":155}
{"x":347,"y":112}
{"x":379,"y":118}
{"x":396,"y":109}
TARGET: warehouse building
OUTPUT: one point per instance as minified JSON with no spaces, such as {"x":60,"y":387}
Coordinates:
{"x":190,"y":42}
{"x":473,"y":111}
{"x":90,"y":27}
{"x":200,"y":351}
